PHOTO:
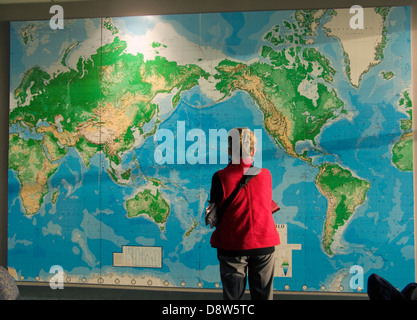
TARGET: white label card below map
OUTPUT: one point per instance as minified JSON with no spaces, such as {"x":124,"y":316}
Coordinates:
{"x":283,"y":253}
{"x":139,"y":257}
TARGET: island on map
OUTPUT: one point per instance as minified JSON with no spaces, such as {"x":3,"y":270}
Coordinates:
{"x":363,"y":48}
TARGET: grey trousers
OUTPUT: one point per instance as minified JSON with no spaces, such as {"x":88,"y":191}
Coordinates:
{"x":235,"y":270}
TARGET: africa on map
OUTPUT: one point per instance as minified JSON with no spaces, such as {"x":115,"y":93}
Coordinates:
{"x":95,"y":187}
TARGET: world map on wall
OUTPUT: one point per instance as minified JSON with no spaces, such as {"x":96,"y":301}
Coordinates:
{"x":95,"y":188}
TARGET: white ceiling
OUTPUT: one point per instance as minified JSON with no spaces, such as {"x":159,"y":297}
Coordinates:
{"x":36,"y":1}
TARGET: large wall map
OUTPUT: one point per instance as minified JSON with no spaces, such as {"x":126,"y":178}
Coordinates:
{"x":94,"y":187}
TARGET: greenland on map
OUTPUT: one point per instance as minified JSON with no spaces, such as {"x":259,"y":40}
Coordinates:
{"x":111,"y":148}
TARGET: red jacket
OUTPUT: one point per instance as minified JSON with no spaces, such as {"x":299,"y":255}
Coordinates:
{"x":247,"y":223}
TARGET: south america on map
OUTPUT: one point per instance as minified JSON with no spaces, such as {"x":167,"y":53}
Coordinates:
{"x":111,"y":144}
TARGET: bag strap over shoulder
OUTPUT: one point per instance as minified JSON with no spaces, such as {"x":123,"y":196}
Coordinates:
{"x":247,"y":176}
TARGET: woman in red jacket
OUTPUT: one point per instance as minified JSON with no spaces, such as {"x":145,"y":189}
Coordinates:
{"x":246,"y":236}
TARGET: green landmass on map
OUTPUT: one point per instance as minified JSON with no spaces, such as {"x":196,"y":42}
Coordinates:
{"x":144,"y":202}
{"x":402,"y":151}
{"x":96,"y":107}
{"x":291,"y":115}
{"x":28,"y":159}
{"x":344,"y":193}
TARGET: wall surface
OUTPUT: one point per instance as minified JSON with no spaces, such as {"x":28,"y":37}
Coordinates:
{"x":104,"y":8}
{"x":101,"y":8}
{"x":4,"y":119}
